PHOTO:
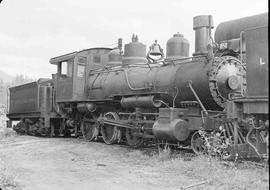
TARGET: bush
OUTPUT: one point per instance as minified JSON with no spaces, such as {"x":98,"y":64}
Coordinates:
{"x":3,"y":117}
{"x":7,"y":179}
{"x":7,"y":132}
{"x":164,"y":153}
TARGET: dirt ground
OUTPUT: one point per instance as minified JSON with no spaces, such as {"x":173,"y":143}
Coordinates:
{"x":67,"y":164}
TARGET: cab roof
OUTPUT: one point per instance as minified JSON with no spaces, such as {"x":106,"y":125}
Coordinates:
{"x":65,"y":57}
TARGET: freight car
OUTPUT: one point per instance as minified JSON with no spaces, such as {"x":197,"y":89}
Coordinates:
{"x":136,"y":97}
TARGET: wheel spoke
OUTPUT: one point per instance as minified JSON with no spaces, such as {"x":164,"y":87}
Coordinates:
{"x":133,"y":140}
{"x":111,"y":134}
{"x":89,"y":127}
{"x":197,"y":143}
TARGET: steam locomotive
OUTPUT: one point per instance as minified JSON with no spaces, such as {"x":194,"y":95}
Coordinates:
{"x":138,"y":97}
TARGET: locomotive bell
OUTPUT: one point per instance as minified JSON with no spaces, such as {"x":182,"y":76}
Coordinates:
{"x":155,"y":49}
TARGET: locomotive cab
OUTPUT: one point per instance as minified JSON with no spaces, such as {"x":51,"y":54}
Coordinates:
{"x":72,"y":72}
{"x":64,"y":77}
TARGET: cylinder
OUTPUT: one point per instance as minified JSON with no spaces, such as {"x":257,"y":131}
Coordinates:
{"x":202,"y":25}
{"x":231,"y":30}
{"x":177,"y":47}
{"x":170,"y":126}
{"x":134,"y":52}
{"x":176,"y":130}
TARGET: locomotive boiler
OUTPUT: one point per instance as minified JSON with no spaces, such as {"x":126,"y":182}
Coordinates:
{"x":134,"y":96}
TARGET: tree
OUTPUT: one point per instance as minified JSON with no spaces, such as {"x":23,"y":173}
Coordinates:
{"x":21,"y":79}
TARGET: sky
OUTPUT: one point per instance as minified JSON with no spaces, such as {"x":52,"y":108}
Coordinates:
{"x":33,"y":31}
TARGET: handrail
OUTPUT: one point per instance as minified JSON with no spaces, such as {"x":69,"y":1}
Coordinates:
{"x":133,"y":88}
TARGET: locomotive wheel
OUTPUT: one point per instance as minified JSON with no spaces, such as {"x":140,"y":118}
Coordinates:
{"x":133,"y":140}
{"x":197,"y":143}
{"x":33,"y":128}
{"x":111,"y":134}
{"x":67,"y":133}
{"x":20,"y":128}
{"x":44,"y":132}
{"x":89,"y":127}
{"x":41,"y":130}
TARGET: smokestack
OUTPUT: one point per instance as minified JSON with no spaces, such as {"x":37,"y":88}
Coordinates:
{"x":202,"y":25}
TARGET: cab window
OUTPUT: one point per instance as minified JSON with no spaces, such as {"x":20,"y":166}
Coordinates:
{"x":81,"y":66}
{"x":65,"y":68}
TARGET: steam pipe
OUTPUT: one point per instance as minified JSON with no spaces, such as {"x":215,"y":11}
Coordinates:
{"x":197,"y":98}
